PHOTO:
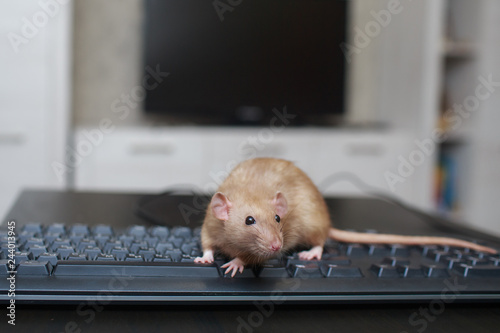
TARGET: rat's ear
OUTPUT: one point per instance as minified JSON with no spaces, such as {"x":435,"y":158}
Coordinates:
{"x":220,"y":206}
{"x":280,"y":204}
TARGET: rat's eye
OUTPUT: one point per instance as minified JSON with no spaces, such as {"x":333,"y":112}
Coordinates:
{"x":249,"y":220}
{"x":277,"y":218}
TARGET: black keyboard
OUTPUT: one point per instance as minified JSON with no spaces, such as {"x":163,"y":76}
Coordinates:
{"x":70,"y":263}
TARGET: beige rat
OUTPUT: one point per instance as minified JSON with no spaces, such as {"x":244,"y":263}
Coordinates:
{"x":267,"y":206}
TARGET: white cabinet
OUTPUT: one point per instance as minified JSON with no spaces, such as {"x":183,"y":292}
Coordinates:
{"x":140,"y":160}
{"x":154,"y":160}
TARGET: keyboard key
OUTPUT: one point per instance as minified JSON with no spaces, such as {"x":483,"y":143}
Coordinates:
{"x":133,"y":257}
{"x":410,"y":271}
{"x":458,"y":253}
{"x":33,"y":227}
{"x":160,"y":232}
{"x":332,"y":261}
{"x":275,"y":261}
{"x":188,"y":247}
{"x":398,"y":250}
{"x":92,"y":252}
{"x":110,"y":245}
{"x":382,"y":270}
{"x":329,"y":252}
{"x":197,"y":232}
{"x":479,"y":255}
{"x":50,"y":257}
{"x":395,"y":261}
{"x":147,"y":253}
{"x":102,"y":230}
{"x":479,"y":271}
{"x":337,"y":260}
{"x":56,"y":228}
{"x":77,"y":256}
{"x":34,"y":241}
{"x":495,"y":261}
{"x":436,"y":255}
{"x":23,"y":236}
{"x":196,"y":253}
{"x":161,"y":258}
{"x":119,"y":252}
{"x":435,"y":271}
{"x":102,"y":239}
{"x":273,"y":270}
{"x":32,"y":267}
{"x":151,"y":240}
{"x":477,"y":261}
{"x":177,"y":241}
{"x":50,"y":237}
{"x":59,"y":242}
{"x":20,"y":256}
{"x":76,"y":238}
{"x":182,"y":232}
{"x":64,"y":251}
{"x":126,"y":240}
{"x":424,"y":249}
{"x":36,"y":250}
{"x":86,"y":242}
{"x":131,"y":268}
{"x":378,"y":250}
{"x":452,"y":262}
{"x":105,"y":257}
{"x":161,"y":247}
{"x":336,"y":271}
{"x":356,"y":250}
{"x":136,"y":246}
{"x":79,"y":229}
{"x":175,"y":254}
{"x":309,"y":270}
{"x":186,"y":258}
{"x":138,"y":231}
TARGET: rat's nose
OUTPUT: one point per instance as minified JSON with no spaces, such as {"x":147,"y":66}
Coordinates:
{"x":276,"y":246}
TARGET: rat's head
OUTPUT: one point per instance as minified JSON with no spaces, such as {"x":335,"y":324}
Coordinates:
{"x":253,"y":228}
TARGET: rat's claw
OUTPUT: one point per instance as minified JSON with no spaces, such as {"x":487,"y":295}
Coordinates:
{"x":314,"y":253}
{"x":208,"y":257}
{"x":234,"y":265}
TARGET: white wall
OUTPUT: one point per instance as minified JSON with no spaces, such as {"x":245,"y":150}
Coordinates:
{"x":34,"y":95}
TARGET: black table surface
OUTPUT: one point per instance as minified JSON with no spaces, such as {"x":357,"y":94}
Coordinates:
{"x":119,"y":210}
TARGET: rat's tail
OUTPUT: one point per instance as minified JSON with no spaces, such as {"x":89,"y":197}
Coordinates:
{"x":368,"y":238}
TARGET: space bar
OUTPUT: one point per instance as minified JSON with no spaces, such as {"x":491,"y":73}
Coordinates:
{"x":125,"y":268}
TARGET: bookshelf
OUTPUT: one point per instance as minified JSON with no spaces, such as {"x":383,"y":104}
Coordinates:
{"x":466,"y":181}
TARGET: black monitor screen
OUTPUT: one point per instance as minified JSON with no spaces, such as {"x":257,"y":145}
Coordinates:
{"x":235,"y":60}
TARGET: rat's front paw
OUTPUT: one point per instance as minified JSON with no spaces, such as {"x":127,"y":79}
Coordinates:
{"x":314,"y":253}
{"x":208,"y":258}
{"x":234,"y":265}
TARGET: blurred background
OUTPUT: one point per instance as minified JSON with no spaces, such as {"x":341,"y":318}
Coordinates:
{"x":397,"y":97}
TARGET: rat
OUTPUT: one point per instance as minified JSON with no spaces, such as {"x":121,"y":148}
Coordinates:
{"x":268,"y":206}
